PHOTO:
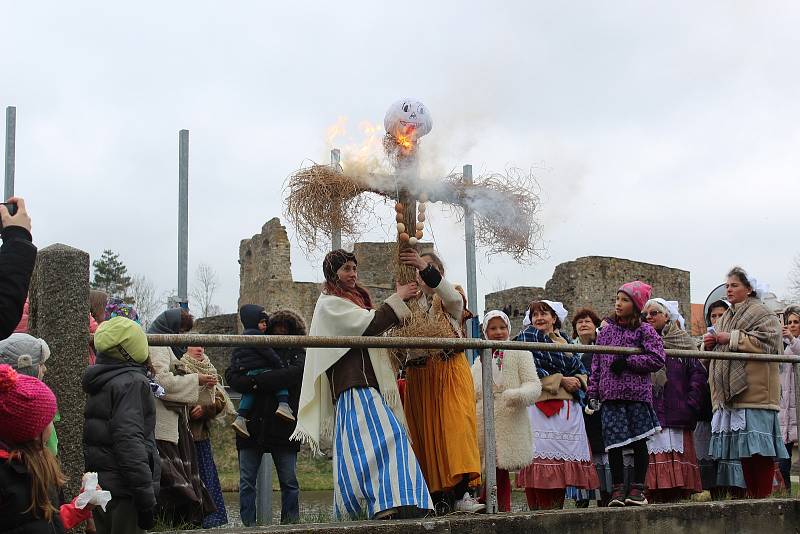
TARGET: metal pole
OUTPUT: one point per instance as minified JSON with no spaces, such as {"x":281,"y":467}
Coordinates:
{"x":489,"y":455}
{"x":11,"y":135}
{"x":336,"y":236}
{"x":796,"y":369}
{"x":264,"y":491}
{"x":183,"y":217}
{"x":472,"y":284}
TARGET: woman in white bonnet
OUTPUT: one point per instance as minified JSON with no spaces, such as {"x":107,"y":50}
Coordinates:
{"x":562,"y":456}
{"x":515,"y":386}
{"x":746,"y":395}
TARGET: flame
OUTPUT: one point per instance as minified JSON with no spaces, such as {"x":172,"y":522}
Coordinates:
{"x":336,"y":130}
{"x":362,"y":151}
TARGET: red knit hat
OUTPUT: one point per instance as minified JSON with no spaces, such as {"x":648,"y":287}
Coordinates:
{"x":27,"y":406}
{"x":638,"y":291}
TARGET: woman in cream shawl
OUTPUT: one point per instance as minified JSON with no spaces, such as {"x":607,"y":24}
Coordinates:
{"x":375,"y":470}
{"x":746,"y":395}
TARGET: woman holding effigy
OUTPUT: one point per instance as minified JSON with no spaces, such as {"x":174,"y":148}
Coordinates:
{"x":746,"y":395}
{"x":375,"y":470}
{"x":561,"y":454}
{"x":673,"y":473}
{"x":439,"y":397}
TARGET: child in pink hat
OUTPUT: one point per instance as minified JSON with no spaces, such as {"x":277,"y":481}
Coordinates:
{"x":29,"y":473}
{"x":623,"y":385}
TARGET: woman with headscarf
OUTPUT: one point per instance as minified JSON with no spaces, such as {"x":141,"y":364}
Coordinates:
{"x":375,"y":471}
{"x":561,"y":454}
{"x":788,"y":413}
{"x":746,"y":395}
{"x":515,"y":386}
{"x":673,"y":473}
{"x":183,"y":498}
{"x":440,"y":397}
{"x":195,"y":361}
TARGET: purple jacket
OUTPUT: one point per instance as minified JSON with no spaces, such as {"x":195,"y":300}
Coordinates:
{"x":634,"y":383}
{"x":679,"y":404}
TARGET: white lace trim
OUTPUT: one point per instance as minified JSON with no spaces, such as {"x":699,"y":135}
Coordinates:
{"x":727,"y":420}
{"x":668,"y":440}
{"x":560,"y":437}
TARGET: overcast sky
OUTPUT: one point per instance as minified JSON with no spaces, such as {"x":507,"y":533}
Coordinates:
{"x":662,"y":132}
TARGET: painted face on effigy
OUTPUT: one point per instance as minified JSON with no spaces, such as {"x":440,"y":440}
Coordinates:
{"x":348,"y":274}
{"x":497,"y":330}
{"x":656,"y":317}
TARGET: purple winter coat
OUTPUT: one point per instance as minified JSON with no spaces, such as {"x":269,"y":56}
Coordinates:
{"x":634,"y":383}
{"x":679,"y":404}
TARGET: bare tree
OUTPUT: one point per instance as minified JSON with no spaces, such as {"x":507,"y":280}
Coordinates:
{"x":500,"y":284}
{"x":206,"y":282}
{"x":147,"y":304}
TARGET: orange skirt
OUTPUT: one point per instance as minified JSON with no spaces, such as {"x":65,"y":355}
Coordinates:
{"x":440,"y":409}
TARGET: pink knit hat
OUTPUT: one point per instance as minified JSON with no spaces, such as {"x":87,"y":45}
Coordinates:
{"x":638,"y":291}
{"x":27,"y":406}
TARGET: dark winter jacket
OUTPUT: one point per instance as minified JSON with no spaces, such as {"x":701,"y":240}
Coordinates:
{"x":15,"y":499}
{"x":680,"y":403}
{"x":118,"y":432}
{"x":250,"y":358}
{"x":17,"y":257}
{"x":269,"y":432}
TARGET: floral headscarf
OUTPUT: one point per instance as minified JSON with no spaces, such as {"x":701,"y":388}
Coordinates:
{"x":116,"y":307}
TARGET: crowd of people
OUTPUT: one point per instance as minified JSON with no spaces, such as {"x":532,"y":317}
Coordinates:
{"x":404,"y":428}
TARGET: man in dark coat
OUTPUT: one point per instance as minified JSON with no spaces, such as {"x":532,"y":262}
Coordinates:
{"x":119,"y":428}
{"x":269,"y":433}
{"x":17,"y":258}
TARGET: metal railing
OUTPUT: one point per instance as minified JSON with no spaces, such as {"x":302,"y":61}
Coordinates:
{"x":485,"y":346}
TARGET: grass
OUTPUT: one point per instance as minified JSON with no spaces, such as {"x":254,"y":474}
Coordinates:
{"x":313,"y":474}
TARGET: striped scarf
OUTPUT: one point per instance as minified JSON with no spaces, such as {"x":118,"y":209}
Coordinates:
{"x":751,"y":317}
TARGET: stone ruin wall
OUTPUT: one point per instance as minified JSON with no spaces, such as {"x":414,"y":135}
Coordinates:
{"x":592,"y":281}
{"x":266,"y":279}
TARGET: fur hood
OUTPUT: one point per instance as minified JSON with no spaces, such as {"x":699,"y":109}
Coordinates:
{"x":295,"y":323}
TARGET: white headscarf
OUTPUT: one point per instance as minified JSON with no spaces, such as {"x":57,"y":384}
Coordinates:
{"x":559,"y":309}
{"x":493,"y":314}
{"x":761,"y":288}
{"x":671,"y":308}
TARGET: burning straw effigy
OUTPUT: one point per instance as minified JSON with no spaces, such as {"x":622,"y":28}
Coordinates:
{"x":321,"y":200}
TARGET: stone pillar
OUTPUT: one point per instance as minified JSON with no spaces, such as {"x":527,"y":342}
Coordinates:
{"x":59,"y":308}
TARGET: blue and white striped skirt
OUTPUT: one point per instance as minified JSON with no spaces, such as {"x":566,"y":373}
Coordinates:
{"x":374,"y":465}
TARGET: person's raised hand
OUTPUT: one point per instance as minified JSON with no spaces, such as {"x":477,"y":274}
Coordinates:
{"x":20,"y":218}
{"x":411,"y":257}
{"x":709,"y":341}
{"x":407,"y":291}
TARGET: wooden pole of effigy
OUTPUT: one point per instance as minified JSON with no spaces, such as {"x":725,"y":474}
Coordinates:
{"x":408,"y":216}
{"x":336,"y":234}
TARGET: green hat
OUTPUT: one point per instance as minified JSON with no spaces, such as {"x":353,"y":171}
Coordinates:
{"x":121,"y":339}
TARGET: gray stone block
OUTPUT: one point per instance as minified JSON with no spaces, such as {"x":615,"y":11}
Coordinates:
{"x":59,"y":308}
